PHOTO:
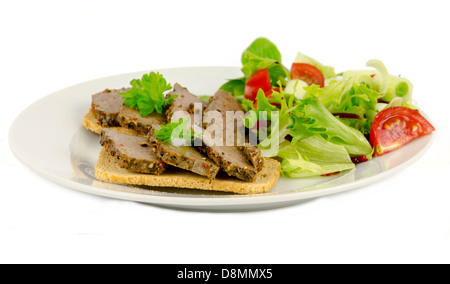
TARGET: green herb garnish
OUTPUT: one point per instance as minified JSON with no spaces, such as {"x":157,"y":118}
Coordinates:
{"x":174,"y":130}
{"x":147,"y":94}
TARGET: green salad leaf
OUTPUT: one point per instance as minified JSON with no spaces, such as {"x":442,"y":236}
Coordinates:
{"x":254,"y":62}
{"x":147,"y":94}
{"x":313,"y":156}
{"x":276,"y":113}
{"x":354,"y":104}
{"x":235,"y":87}
{"x":327,"y":71}
{"x":263,"y":48}
{"x":311,"y":141}
{"x":311,"y":117}
{"x":262,"y":53}
{"x":315,"y":130}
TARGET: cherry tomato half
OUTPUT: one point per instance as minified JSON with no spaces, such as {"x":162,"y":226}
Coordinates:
{"x":258,"y":80}
{"x":396,"y":126}
{"x":308,"y":73}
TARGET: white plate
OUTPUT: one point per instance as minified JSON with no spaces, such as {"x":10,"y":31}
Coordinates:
{"x":49,"y":138}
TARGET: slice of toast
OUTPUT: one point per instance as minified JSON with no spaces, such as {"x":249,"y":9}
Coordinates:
{"x":108,"y":170}
{"x":91,"y":123}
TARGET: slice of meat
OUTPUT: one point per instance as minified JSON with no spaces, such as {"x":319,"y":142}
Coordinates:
{"x":253,"y":154}
{"x":106,"y":105}
{"x":134,"y":152}
{"x":232,"y":113}
{"x":132,"y":119}
{"x":181,"y":105}
{"x":184,"y":157}
{"x":222,"y":102}
{"x":223,"y":116}
{"x":231,"y":160}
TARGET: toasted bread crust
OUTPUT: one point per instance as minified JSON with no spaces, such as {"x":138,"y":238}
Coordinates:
{"x":93,"y":125}
{"x":108,"y":170}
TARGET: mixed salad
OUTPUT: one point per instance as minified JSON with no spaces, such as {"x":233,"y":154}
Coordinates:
{"x":320,"y":121}
{"x":325,"y":122}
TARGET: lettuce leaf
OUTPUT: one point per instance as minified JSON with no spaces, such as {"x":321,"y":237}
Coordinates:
{"x":261,"y":53}
{"x":263,"y":48}
{"x":235,"y":87}
{"x":354,"y":104}
{"x":253,"y":62}
{"x":301,"y":119}
{"x":278,"y":119}
{"x":327,"y":71}
{"x":311,"y":117}
{"x":313,"y":156}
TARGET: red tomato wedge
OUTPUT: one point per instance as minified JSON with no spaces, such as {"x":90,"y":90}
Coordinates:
{"x":258,"y":80}
{"x":308,"y":73}
{"x":396,"y":126}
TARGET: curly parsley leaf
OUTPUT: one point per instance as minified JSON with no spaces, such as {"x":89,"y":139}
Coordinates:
{"x":147,"y":94}
{"x":175,"y":130}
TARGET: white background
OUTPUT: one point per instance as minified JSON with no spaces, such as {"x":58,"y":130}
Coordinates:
{"x":49,"y":45}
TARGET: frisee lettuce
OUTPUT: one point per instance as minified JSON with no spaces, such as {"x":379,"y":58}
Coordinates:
{"x":308,"y":153}
{"x":311,"y":117}
{"x":315,"y":130}
{"x":345,"y":99}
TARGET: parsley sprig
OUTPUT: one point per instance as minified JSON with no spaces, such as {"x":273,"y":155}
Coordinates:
{"x":147,"y":94}
{"x":174,"y":130}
